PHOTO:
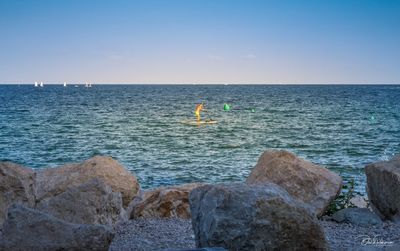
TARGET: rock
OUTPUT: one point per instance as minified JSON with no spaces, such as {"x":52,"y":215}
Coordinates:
{"x":53,"y":181}
{"x":252,"y":217}
{"x":383,"y":187}
{"x":359,"y":202}
{"x":357,"y":216}
{"x":90,"y":203}
{"x":163,"y":202}
{"x":303,"y":180}
{"x":16,"y":185}
{"x":29,"y":229}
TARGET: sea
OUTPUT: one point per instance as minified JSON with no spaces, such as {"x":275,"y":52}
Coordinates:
{"x":342,"y":127}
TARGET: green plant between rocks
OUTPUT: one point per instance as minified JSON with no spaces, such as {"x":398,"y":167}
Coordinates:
{"x":343,"y":200}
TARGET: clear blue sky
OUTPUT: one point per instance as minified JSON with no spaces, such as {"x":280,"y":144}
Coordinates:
{"x":203,"y":41}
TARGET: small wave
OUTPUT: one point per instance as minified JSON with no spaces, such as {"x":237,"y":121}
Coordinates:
{"x":229,"y":146}
{"x":389,"y":152}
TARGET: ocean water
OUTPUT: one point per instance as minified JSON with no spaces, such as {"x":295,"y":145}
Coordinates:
{"x":341,"y":127}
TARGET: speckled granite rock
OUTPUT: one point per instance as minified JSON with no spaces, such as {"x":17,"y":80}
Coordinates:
{"x":244,"y":217}
{"x":303,"y":180}
{"x":170,"y":201}
{"x":53,"y":181}
{"x":16,"y":186}
{"x":29,"y":229}
{"x":383,"y":187}
{"x":90,"y":203}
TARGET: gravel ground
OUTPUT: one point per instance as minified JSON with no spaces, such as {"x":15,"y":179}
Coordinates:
{"x":343,"y":236}
{"x":153,"y":234}
{"x":158,"y":234}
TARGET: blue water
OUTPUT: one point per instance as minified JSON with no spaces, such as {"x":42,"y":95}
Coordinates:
{"x":341,"y":127}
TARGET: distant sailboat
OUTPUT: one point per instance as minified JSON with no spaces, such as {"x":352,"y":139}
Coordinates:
{"x":90,"y":85}
{"x":36,"y":84}
{"x":41,"y":84}
{"x":86,"y":84}
{"x":65,"y":84}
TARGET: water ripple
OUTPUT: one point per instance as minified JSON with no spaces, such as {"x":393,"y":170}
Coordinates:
{"x":341,"y":127}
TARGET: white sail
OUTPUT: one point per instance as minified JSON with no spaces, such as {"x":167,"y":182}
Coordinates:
{"x":65,"y":84}
{"x":41,"y":84}
{"x":36,"y":84}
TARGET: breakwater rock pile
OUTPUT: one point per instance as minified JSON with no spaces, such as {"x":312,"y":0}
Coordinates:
{"x":72,"y":207}
{"x":279,"y":206}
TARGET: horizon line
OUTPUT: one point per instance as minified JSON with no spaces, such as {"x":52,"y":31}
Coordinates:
{"x":104,"y":83}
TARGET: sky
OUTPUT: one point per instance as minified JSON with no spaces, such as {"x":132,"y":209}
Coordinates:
{"x":200,"y":41}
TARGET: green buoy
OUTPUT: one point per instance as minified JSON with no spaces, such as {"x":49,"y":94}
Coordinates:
{"x":253,"y":110}
{"x":227,"y":107}
{"x":372,"y":118}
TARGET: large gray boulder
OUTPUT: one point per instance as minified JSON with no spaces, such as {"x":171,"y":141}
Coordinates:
{"x":16,"y":185}
{"x":303,"y":180}
{"x":163,"y":202}
{"x":248,"y":217}
{"x":383,"y":187}
{"x":29,"y":229}
{"x":53,"y":181}
{"x":90,"y":203}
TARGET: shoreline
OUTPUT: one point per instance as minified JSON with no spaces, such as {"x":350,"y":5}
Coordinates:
{"x":283,"y":195}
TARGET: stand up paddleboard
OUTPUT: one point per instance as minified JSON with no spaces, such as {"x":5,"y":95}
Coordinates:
{"x":203,"y":122}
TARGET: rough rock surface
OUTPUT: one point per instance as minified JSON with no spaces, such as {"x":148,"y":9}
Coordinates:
{"x":303,"y":180}
{"x":242,"y":217}
{"x":359,"y":201}
{"x":29,"y":229}
{"x":53,"y":181}
{"x":90,"y":203}
{"x":383,"y":187}
{"x":16,"y":185}
{"x":357,"y":216}
{"x":163,"y":202}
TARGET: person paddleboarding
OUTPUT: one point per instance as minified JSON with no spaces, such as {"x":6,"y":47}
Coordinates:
{"x":197,"y":110}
